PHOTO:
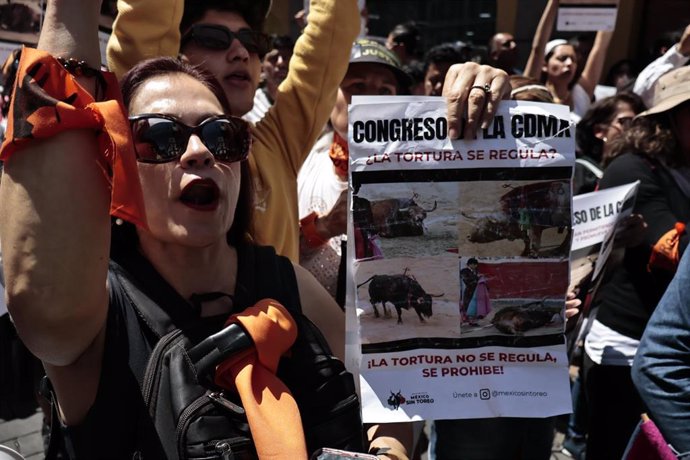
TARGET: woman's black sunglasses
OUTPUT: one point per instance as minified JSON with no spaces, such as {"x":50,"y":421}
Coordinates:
{"x":160,"y":138}
{"x":217,"y":37}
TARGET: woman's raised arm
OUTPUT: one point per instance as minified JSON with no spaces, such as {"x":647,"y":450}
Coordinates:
{"x":535,"y":62}
{"x":591,"y":74}
{"x":54,"y":202}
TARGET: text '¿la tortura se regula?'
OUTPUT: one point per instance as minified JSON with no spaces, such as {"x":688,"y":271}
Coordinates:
{"x":426,"y":129}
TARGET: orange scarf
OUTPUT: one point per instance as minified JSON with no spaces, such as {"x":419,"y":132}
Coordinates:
{"x":339,"y":155}
{"x":47,"y":100}
{"x":272,"y":412}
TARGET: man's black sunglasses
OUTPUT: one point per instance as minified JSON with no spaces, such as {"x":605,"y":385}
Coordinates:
{"x":160,"y":138}
{"x":217,"y":37}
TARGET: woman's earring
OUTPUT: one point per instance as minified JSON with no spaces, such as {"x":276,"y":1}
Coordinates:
{"x":605,"y":140}
{"x":119,"y":221}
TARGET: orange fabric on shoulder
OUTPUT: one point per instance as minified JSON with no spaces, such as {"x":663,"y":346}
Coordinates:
{"x":272,"y":412}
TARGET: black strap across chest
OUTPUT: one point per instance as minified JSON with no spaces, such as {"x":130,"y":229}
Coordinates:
{"x":261,"y":274}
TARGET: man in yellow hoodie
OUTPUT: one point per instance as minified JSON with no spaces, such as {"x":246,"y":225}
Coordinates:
{"x":223,"y":37}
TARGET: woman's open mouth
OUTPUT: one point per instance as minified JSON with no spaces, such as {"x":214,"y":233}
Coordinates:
{"x":201,"y":194}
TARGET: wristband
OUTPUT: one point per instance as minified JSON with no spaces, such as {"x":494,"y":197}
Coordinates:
{"x":47,"y":100}
{"x":311,"y":235}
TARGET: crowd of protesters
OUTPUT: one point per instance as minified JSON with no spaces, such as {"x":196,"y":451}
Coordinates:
{"x":197,"y":215}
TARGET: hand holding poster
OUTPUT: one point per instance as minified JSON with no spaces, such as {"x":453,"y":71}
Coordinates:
{"x":459,"y":261}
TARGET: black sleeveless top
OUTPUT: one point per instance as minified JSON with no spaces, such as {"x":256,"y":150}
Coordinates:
{"x":119,"y":417}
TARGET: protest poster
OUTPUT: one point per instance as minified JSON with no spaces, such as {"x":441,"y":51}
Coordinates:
{"x":595,"y":216}
{"x":586,"y":15}
{"x":459,"y":261}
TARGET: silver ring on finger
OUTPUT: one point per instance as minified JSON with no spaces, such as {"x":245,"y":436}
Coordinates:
{"x":486,"y":88}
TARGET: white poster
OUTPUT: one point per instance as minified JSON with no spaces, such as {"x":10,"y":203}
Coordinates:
{"x":460,"y":261}
{"x":595,"y":216}
{"x":586,"y":16}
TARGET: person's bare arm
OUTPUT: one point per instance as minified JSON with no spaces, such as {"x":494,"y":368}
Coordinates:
{"x":54,"y":221}
{"x":321,"y":309}
{"x":535,"y":62}
{"x":675,"y":57}
{"x":591,"y":74}
{"x":391,"y":441}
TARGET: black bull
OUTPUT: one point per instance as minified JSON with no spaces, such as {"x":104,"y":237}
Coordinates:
{"x":525,"y":212}
{"x":400,"y":290}
{"x":393,"y":217}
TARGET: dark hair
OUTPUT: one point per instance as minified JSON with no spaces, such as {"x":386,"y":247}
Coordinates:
{"x":148,"y":69}
{"x":664,"y":42}
{"x":280,"y":42}
{"x":194,"y":10}
{"x":415,"y":70}
{"x":472,"y":260}
{"x":650,"y":136}
{"x":602,"y":113}
{"x":407,"y":34}
{"x":443,"y":53}
{"x":156,"y":67}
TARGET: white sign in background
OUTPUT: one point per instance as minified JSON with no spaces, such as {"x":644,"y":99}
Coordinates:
{"x":582,"y":18}
{"x":596,"y":213}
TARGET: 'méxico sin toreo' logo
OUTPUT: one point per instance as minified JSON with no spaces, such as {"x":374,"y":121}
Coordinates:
{"x":396,"y":399}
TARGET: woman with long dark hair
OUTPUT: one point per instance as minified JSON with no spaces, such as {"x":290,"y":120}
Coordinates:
{"x":603,"y":123}
{"x":655,"y":151}
{"x":98,"y":300}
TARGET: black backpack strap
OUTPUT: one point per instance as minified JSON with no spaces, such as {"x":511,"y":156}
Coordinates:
{"x":156,"y":303}
{"x":213,"y":350}
{"x":151,"y":314}
{"x":264,"y":274}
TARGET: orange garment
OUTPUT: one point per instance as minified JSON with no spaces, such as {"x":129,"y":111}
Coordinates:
{"x":272,"y":412}
{"x":47,"y":100}
{"x":665,"y":253}
{"x":340,"y":155}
